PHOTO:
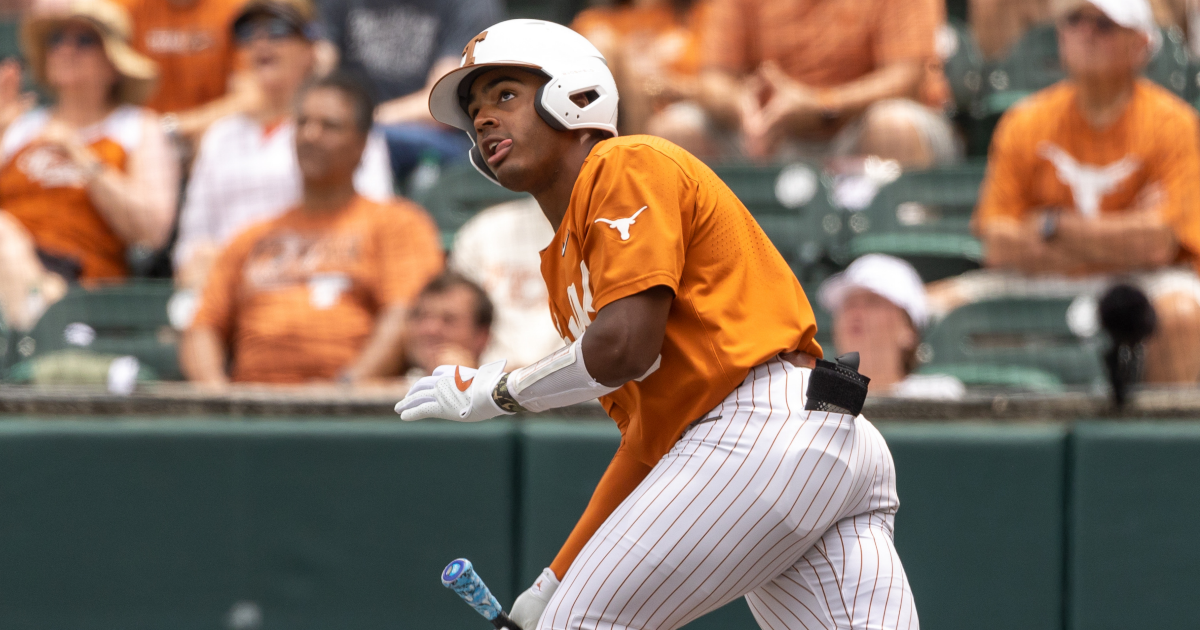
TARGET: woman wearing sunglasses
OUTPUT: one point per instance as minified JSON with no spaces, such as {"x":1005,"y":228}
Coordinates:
{"x":89,"y":176}
{"x":246,"y":170}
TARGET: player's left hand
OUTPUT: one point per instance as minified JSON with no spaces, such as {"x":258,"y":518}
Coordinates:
{"x":528,"y":608}
{"x":454,"y":392}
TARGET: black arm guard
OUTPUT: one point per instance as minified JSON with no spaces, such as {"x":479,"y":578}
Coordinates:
{"x":837,"y":386}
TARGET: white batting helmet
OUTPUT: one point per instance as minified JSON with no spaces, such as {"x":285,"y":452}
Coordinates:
{"x":571,"y":63}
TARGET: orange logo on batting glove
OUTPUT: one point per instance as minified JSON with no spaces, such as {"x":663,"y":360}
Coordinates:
{"x":459,"y":382}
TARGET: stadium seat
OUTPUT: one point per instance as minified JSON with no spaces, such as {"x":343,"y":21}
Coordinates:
{"x":792,"y":205}
{"x":128,"y":319}
{"x":923,"y":217}
{"x":1014,"y":342}
{"x":963,"y":65}
{"x":459,"y":193}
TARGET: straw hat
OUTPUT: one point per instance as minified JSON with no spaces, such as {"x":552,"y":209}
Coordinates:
{"x":138,"y":73}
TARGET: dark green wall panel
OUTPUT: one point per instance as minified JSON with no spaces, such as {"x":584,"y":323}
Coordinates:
{"x":1135,"y":526}
{"x":320,"y":524}
{"x":980,"y":526}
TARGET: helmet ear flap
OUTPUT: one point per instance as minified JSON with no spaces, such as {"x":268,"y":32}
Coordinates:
{"x":539,"y":105}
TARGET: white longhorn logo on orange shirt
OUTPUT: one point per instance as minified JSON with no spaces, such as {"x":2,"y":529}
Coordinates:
{"x":1088,"y":183}
{"x":622,"y":225}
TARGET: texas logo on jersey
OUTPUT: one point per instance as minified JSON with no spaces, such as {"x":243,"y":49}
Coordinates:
{"x":622,"y":225}
{"x":1088,"y":184}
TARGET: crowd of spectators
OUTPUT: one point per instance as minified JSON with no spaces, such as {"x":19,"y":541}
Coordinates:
{"x":258,"y":145}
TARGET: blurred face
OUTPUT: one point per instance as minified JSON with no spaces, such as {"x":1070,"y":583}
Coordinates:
{"x":521,"y":149}
{"x":328,"y":143}
{"x":442,"y":325}
{"x":76,"y":61}
{"x":1094,"y":47}
{"x":871,"y":325}
{"x":279,"y":56}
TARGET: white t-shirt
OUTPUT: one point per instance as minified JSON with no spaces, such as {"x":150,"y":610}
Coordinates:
{"x":244,"y":175}
{"x":498,"y":249}
{"x":929,"y":387}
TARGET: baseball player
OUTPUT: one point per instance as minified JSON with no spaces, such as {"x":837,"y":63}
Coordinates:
{"x":744,"y":468}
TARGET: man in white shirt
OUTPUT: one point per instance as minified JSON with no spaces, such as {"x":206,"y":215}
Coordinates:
{"x":498,"y":249}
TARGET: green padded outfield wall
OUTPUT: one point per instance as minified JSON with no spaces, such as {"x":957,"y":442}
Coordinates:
{"x":1135,"y":526}
{"x":980,"y":526}
{"x":131,"y":525}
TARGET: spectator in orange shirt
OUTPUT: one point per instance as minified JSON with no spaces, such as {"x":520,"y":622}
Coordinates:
{"x":321,"y":292}
{"x":653,"y":49}
{"x":86,"y":178}
{"x":1094,"y":179}
{"x":827,"y":78}
{"x":190,"y":41}
{"x":450,"y":324}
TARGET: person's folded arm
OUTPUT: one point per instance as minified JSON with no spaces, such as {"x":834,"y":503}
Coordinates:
{"x":384,"y":350}
{"x":1127,"y":241}
{"x":899,"y":79}
{"x":139,"y":204}
{"x":202,"y":356}
{"x":1015,"y":245}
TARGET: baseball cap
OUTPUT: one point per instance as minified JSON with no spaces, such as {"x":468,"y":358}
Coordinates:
{"x":886,"y":276}
{"x":1132,"y":14}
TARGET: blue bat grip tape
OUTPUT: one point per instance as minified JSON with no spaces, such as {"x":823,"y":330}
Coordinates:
{"x":460,"y":577}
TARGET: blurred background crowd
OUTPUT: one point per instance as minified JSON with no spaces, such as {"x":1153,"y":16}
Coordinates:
{"x":976,"y":194}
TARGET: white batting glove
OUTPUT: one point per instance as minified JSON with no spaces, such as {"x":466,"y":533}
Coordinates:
{"x":454,"y":392}
{"x":528,"y":608}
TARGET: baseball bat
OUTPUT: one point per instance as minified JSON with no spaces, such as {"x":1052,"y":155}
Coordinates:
{"x":460,"y":577}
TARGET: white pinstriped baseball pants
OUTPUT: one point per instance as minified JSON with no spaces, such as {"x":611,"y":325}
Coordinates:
{"x":791,"y":509}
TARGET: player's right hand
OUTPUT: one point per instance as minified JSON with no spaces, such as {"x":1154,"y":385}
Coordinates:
{"x":528,"y":608}
{"x":454,"y":392}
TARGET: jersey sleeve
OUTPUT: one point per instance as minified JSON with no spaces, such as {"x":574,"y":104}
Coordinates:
{"x":640,"y":206}
{"x":622,"y":477}
{"x":218,"y":302}
{"x":1176,"y":171}
{"x":1003,"y":194}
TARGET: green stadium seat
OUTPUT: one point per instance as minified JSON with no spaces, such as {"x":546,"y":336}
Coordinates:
{"x":127,"y":319}
{"x":1022,"y":342}
{"x":964,"y":66}
{"x":923,"y":217}
{"x":791,"y":204}
{"x":459,"y":193}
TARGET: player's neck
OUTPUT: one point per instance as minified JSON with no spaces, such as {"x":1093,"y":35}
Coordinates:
{"x":883,"y":368}
{"x":1101,"y":101}
{"x":556,"y":197}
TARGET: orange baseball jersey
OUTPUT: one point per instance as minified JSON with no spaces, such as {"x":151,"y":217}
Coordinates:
{"x":296,"y":298}
{"x":824,"y":43}
{"x":1045,"y":155}
{"x":48,"y":193}
{"x":645,"y":213}
{"x":192,"y":45}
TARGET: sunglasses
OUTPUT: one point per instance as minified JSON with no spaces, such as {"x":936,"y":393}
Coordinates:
{"x":81,"y":40}
{"x":1101,"y":24}
{"x":270,"y":28}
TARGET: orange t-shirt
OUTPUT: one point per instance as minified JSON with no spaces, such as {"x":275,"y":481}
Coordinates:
{"x":193,"y":46}
{"x":824,"y":43}
{"x":48,"y":194}
{"x":296,"y":297}
{"x":1045,"y":155}
{"x":657,"y":34}
{"x":645,"y":213}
